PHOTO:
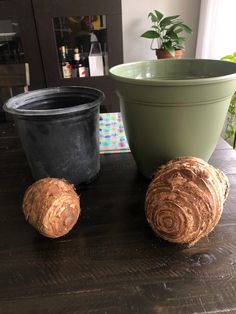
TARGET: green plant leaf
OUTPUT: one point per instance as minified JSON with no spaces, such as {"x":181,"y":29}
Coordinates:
{"x":173,"y":28}
{"x":173,"y":36}
{"x":168,"y":20}
{"x":233,"y":100}
{"x":186,"y":28}
{"x":228,"y":57}
{"x":231,"y":58}
{"x":231,"y":109}
{"x":230,"y":131}
{"x":153,"y":17}
{"x":150,"y":34}
{"x":179,"y":43}
{"x":182,"y":40}
{"x":179,"y":30}
{"x":159,"y":15}
{"x":168,"y":46}
{"x":181,"y":47}
{"x":155,"y":27}
{"x":231,"y":117}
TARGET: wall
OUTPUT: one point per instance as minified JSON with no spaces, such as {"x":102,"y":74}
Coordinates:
{"x":135,"y":22}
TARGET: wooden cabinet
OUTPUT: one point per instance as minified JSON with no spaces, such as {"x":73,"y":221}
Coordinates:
{"x":41,"y":40}
{"x":18,"y":35}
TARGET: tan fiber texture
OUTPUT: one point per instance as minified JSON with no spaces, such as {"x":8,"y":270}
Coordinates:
{"x":51,"y":206}
{"x":185,"y":200}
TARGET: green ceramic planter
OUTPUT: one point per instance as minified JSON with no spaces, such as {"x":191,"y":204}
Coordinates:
{"x":173,"y":107}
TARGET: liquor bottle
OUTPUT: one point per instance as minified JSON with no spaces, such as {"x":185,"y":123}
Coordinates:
{"x":76,"y":63}
{"x":84,"y":65}
{"x":65,"y":63}
{"x":82,"y":71}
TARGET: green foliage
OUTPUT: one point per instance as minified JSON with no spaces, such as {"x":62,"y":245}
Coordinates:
{"x":167,"y":31}
{"x":231,"y":58}
{"x":231,"y":117}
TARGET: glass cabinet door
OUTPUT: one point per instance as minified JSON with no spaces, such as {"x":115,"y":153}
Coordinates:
{"x":11,"y":50}
{"x":82,"y":45}
{"x":80,"y":41}
{"x":18,"y":39}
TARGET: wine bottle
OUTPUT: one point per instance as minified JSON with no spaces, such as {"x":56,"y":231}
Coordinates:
{"x":65,"y":63}
{"x":76,"y":63}
{"x":84,"y":65}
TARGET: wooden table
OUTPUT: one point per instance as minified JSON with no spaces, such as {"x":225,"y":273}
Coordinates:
{"x":111,"y":262}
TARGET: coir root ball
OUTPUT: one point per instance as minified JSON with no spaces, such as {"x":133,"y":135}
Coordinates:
{"x":185,"y":200}
{"x":51,"y":206}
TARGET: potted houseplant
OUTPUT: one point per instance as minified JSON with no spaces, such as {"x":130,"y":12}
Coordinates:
{"x":230,"y":127}
{"x":166,"y":34}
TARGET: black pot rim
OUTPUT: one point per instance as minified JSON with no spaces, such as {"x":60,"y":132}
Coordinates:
{"x":13,"y":104}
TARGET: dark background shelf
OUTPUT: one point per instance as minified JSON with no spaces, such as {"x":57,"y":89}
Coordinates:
{"x":37,"y":34}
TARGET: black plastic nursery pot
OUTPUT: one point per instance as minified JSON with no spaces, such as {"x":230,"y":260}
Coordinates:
{"x":59,"y":131}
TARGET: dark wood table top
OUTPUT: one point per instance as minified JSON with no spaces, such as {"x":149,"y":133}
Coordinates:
{"x":111,"y":262}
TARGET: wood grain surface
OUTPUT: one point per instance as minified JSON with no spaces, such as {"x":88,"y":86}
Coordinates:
{"x":110,"y":262}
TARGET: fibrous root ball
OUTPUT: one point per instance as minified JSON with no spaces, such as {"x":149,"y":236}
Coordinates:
{"x":51,"y":206}
{"x":184,"y":201}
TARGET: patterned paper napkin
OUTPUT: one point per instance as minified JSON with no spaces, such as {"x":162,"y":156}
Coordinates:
{"x":112,"y":137}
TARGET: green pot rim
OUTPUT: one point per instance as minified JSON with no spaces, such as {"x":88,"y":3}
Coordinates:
{"x":179,"y":82}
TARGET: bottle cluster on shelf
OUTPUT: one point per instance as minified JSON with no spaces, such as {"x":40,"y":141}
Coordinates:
{"x":75,"y":63}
